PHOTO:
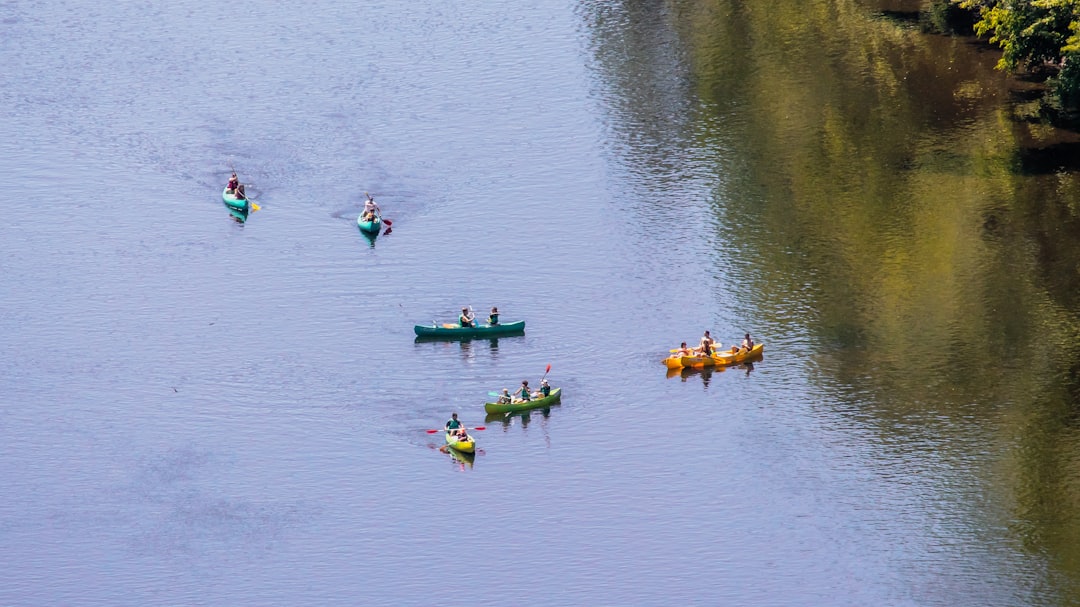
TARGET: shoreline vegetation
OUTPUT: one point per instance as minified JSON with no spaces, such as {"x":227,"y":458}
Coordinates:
{"x":1039,"y":41}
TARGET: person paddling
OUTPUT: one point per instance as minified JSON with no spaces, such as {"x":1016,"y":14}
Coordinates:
{"x":748,"y":343}
{"x":708,"y":344}
{"x":493,"y":318}
{"x":454,"y":426}
{"x":370,"y":209}
{"x":233,"y":182}
{"x":522,"y":394}
{"x":466,"y":318}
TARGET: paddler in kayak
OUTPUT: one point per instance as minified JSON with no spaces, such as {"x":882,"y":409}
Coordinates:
{"x":371,"y":210}
{"x":493,"y":318}
{"x":233,"y":182}
{"x":466,"y":318}
{"x":544,"y":390}
{"x":682,"y":351}
{"x":504,"y":398}
{"x":454,"y":426}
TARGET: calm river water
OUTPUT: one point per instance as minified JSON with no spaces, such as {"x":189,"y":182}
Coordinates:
{"x":201,"y":412}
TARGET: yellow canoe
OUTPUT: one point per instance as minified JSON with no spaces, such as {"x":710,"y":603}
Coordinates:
{"x":721,"y":359}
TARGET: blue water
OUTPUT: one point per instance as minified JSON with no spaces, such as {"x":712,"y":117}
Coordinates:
{"x":199,"y":411}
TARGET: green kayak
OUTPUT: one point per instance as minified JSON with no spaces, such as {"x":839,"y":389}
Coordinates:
{"x":237,"y":208}
{"x":369,"y":227}
{"x":452,"y":331}
{"x":536,"y":403}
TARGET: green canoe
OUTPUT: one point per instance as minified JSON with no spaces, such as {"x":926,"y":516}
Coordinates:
{"x":237,"y":208}
{"x":536,"y":403}
{"x":450,"y":331}
{"x":369,"y":227}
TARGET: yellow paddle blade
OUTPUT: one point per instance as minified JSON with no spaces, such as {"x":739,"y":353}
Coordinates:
{"x":255,"y":207}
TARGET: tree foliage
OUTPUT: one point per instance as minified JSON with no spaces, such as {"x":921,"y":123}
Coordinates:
{"x":1033,"y":33}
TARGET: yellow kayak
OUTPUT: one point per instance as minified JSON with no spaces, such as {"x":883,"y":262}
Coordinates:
{"x":465,"y":445}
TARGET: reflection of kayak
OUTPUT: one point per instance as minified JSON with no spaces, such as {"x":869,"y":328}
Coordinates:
{"x":466,"y":445}
{"x":556,"y":394}
{"x":237,"y":208}
{"x":462,"y":456}
{"x":716,"y":360}
{"x":452,"y":330}
{"x":369,"y":227}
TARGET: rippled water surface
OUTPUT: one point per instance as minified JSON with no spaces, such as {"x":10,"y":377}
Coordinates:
{"x":199,"y":411}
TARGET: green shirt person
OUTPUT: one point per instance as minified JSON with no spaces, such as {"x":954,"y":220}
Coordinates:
{"x":493,"y":318}
{"x":453,"y":424}
{"x":466,"y":318}
{"x":523,"y":393}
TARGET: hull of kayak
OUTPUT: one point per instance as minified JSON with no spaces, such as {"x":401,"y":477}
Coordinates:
{"x":369,"y":227}
{"x":237,"y":208}
{"x":550,"y":399}
{"x":468,"y":445}
{"x":449,"y":331}
{"x":717,"y":360}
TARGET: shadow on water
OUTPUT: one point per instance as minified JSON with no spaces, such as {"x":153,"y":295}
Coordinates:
{"x":706,"y":373}
{"x":460,"y":459}
{"x":525,"y":417}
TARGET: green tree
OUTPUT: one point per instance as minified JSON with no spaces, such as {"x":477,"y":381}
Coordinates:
{"x":1034,"y":33}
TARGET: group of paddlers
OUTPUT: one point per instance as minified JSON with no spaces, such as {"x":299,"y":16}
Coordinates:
{"x":710,"y":347}
{"x":523,"y":394}
{"x":468,"y":319}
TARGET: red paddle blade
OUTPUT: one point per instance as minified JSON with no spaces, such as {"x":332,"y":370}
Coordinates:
{"x":387,"y":222}
{"x":548,"y":368}
{"x":480,"y":428}
{"x":433,"y":431}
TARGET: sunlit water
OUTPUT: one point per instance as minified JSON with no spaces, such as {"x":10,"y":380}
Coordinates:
{"x":198,"y":411}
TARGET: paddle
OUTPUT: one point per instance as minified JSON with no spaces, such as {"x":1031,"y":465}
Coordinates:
{"x":444,"y":430}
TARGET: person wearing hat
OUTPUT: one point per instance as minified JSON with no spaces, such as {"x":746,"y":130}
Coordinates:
{"x":466,"y":318}
{"x":493,"y":318}
{"x":233,"y":182}
{"x":545,"y":389}
{"x":370,"y":209}
{"x":504,"y":398}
